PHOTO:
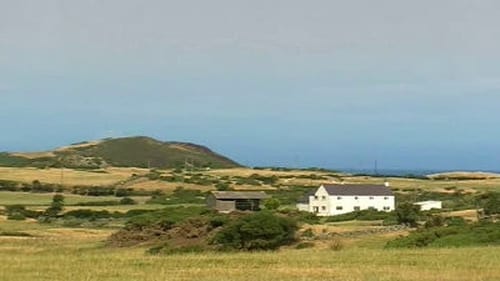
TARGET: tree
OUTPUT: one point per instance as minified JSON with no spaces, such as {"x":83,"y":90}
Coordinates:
{"x":272,"y":204}
{"x":259,"y":231}
{"x":492,"y":203}
{"x":56,"y":206}
{"x":407,"y":213}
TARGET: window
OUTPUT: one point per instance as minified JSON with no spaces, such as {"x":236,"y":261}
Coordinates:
{"x":386,"y":198}
{"x":371,"y":197}
{"x":339,"y":198}
{"x":339,"y":208}
{"x":315,"y":209}
{"x":357,"y":208}
{"x":323,"y":208}
{"x":387,"y":208}
{"x":356,"y":197}
{"x":315,"y":197}
{"x":323,"y":197}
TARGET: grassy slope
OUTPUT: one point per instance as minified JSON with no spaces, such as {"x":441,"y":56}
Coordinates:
{"x":124,"y":152}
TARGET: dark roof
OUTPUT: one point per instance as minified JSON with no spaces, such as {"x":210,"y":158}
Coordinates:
{"x":357,"y":189}
{"x":240,"y":195}
{"x":305,"y":199}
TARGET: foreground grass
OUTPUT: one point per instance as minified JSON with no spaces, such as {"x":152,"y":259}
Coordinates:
{"x":78,"y":255}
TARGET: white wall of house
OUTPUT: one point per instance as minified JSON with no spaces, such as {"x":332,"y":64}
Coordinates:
{"x":323,"y":204}
{"x":429,"y":205}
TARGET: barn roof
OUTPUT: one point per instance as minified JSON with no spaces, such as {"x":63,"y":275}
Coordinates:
{"x":240,"y":195}
{"x":357,"y":189}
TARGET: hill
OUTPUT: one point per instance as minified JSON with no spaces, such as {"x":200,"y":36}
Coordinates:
{"x":141,"y":152}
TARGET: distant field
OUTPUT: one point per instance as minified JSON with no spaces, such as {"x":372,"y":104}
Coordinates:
{"x":44,"y":199}
{"x":121,"y":177}
{"x":69,"y":176}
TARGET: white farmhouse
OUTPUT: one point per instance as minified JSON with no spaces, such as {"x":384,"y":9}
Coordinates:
{"x":337,"y":199}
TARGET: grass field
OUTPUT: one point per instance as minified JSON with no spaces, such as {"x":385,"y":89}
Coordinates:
{"x":79,"y":255}
{"x":44,"y":199}
{"x":69,"y":176}
{"x":35,"y":251}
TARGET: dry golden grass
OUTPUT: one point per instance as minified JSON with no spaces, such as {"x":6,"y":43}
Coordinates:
{"x":69,"y":176}
{"x":470,"y":215}
{"x":78,"y":257}
{"x":61,"y":254}
{"x":165,"y":186}
{"x":246,"y":172}
{"x":33,"y":155}
{"x":81,"y":145}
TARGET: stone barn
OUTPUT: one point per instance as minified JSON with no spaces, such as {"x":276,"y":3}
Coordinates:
{"x":228,"y":201}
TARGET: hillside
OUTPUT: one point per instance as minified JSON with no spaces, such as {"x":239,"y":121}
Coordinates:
{"x":141,"y":152}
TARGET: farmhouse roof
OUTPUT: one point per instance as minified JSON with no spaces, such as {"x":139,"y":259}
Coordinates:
{"x":357,"y":189}
{"x":240,"y":195}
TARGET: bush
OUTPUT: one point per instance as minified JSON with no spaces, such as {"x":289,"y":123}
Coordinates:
{"x":19,"y":212}
{"x":56,"y":206}
{"x":479,"y":234}
{"x":90,"y":214}
{"x":365,"y":215}
{"x":300,"y":216}
{"x":304,"y":245}
{"x":259,"y":231}
{"x":127,"y":201}
{"x":407,"y":213}
{"x":491,"y":203}
{"x":272,"y":204}
{"x":336,"y":245}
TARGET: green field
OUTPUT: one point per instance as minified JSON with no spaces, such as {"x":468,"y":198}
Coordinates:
{"x":44,"y":199}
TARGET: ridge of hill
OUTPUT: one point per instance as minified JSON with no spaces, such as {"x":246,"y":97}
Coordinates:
{"x":143,"y":152}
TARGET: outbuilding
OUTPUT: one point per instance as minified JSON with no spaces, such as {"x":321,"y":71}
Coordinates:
{"x":429,"y":205}
{"x":228,"y":201}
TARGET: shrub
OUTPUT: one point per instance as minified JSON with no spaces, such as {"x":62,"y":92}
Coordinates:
{"x":366,"y":215}
{"x":434,"y":221}
{"x":336,"y":245}
{"x":300,"y":216}
{"x":491,"y":203}
{"x":127,"y":201}
{"x":259,"y":231}
{"x":56,"y":206}
{"x":304,"y":245}
{"x":484,"y":233}
{"x":407,"y":213}
{"x":223,"y":186}
{"x":272,"y":204}
{"x":90,"y":214}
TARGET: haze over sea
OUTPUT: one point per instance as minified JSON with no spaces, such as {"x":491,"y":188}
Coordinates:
{"x":413,"y":84}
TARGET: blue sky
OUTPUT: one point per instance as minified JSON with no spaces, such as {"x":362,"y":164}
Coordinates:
{"x":338,"y":84}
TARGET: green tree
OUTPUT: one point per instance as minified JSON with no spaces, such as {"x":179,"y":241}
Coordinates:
{"x":259,"y":231}
{"x":272,"y":204}
{"x":56,"y":206}
{"x":407,"y":213}
{"x":492,"y":203}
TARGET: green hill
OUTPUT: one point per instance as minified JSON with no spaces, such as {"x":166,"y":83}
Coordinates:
{"x":122,"y":152}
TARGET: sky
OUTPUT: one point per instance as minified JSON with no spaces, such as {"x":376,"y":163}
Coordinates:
{"x":333,"y":84}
